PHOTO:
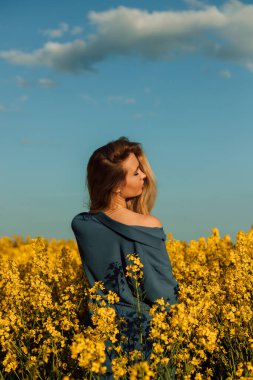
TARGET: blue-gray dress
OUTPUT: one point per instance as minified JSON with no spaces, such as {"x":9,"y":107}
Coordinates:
{"x":103,"y":245}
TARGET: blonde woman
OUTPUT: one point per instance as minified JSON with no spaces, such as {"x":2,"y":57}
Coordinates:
{"x":122,"y":191}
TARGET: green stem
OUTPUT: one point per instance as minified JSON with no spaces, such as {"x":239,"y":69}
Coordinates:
{"x":139,"y":312}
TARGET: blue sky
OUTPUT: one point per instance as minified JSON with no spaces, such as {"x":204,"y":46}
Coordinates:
{"x":175,"y":76}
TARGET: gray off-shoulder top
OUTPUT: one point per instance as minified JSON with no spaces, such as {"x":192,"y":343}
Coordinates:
{"x":103,"y":245}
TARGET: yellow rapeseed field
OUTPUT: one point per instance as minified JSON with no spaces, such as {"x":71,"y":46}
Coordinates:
{"x":44,"y":297}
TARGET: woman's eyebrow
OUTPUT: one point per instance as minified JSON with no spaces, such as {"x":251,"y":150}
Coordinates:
{"x":137,"y":168}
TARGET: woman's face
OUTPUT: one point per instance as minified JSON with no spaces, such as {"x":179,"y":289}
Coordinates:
{"x":134,"y":178}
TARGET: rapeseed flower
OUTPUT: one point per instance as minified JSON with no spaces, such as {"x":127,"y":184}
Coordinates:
{"x":45,"y":295}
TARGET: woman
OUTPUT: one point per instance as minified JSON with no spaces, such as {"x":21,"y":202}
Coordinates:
{"x":122,"y":192}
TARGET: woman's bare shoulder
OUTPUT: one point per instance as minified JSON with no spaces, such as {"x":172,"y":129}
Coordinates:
{"x":152,"y":221}
{"x":143,"y":220}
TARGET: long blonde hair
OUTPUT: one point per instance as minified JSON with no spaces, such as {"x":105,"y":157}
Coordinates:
{"x":105,"y":171}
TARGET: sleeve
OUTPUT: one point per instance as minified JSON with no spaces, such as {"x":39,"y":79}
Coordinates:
{"x":75,"y":224}
{"x":158,"y":280}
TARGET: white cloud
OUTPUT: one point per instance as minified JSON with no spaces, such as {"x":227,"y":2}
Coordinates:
{"x":88,"y":99}
{"x":76,"y":30}
{"x":58,"y":32}
{"x":46,"y":82}
{"x":120,"y":99}
{"x":68,"y":57}
{"x":224,"y":33}
{"x":113,"y":99}
{"x":130,"y":101}
{"x":22,"y":99}
{"x":21,"y":82}
{"x":225,"y":74}
{"x":138,"y":115}
{"x":15,"y":106}
{"x":2,"y":108}
{"x":249,"y":66}
{"x":43,"y":82}
{"x":62,"y":29}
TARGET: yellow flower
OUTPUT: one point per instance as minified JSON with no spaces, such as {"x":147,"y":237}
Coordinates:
{"x":90,"y":354}
{"x":44,"y":297}
{"x":134,"y":270}
{"x":239,"y":371}
{"x":140,"y":370}
{"x":119,"y":367}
